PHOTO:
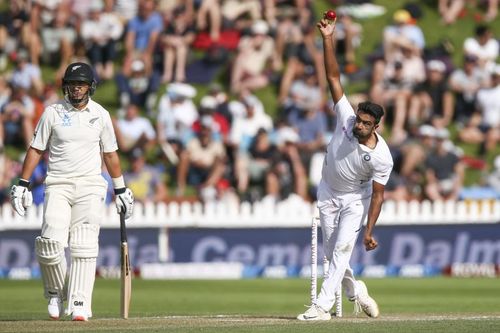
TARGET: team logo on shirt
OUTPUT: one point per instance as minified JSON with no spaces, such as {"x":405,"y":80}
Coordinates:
{"x":66,"y":121}
{"x":367,"y":157}
{"x":93,"y":120}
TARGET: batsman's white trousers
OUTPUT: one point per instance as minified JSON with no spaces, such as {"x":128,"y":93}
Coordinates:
{"x":341,"y":215}
{"x":70,"y":203}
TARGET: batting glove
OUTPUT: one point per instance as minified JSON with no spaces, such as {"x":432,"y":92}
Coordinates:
{"x":21,"y":197}
{"x":124,"y":201}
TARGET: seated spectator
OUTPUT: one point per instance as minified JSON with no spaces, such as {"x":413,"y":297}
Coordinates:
{"x":310,"y":124}
{"x":9,"y":173}
{"x":101,"y":32}
{"x":176,"y":40}
{"x":287,"y":175}
{"x":444,"y":171}
{"x":396,"y":189}
{"x":484,"y":46}
{"x":465,"y":82}
{"x":144,"y":180}
{"x":15,"y":29}
{"x":139,"y":87}
{"x":220,"y":125}
{"x":403,"y":33}
{"x":16,"y":125}
{"x":450,"y":10}
{"x":202,"y":164}
{"x":392,"y":86}
{"x":484,"y":126}
{"x":348,"y":39}
{"x":250,"y":68}
{"x":432,"y":100}
{"x":493,"y":178}
{"x":134,"y":131}
{"x":232,"y":10}
{"x":141,"y":37}
{"x":26,"y":75}
{"x":208,"y":17}
{"x":176,"y":116}
{"x":254,"y":166}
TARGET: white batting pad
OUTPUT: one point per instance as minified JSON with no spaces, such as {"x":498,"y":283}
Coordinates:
{"x":84,"y":248}
{"x":53,"y":266}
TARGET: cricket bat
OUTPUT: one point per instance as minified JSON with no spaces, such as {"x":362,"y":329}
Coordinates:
{"x":126,"y":274}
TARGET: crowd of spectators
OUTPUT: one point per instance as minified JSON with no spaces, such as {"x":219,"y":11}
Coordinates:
{"x":224,"y":143}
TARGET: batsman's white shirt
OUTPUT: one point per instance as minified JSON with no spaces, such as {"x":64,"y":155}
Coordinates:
{"x":348,"y":165}
{"x":74,"y":139}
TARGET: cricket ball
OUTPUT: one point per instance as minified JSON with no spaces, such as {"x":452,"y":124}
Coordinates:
{"x":330,"y":15}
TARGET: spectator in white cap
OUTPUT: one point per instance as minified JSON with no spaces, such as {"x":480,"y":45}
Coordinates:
{"x":432,"y":101}
{"x":219,"y":124}
{"x":249,"y":71}
{"x":176,"y":115}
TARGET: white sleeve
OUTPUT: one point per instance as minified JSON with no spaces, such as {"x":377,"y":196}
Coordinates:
{"x":108,"y":138}
{"x":344,"y":111}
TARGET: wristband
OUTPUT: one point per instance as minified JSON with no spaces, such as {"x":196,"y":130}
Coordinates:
{"x":118,"y":182}
{"x":120,"y":190}
{"x":24,"y":182}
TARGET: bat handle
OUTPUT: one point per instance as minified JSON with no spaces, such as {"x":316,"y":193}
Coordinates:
{"x":123,"y":228}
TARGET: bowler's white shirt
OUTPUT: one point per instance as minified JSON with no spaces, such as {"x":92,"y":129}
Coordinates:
{"x":74,"y":139}
{"x":348,"y":165}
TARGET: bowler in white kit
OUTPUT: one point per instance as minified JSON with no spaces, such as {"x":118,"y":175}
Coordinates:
{"x":79,"y":136}
{"x":356,"y":168}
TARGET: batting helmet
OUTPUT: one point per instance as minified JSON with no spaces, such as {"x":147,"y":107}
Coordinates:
{"x":82,"y":72}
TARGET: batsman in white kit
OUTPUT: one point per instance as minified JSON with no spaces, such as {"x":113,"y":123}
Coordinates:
{"x":79,"y":136}
{"x":356,"y":168}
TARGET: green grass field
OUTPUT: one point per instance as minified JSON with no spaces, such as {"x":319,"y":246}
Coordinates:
{"x":407,"y":305}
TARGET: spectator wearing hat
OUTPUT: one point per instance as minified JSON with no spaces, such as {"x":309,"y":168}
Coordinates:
{"x":465,"y":82}
{"x":220,"y":125}
{"x":144,"y":179}
{"x":202,"y":163}
{"x":250,"y":70}
{"x":176,"y":116}
{"x":432,"y":100}
{"x":484,"y":126}
{"x":403,"y":32}
{"x":444,"y":171}
{"x":140,"y":87}
{"x":101,"y":31}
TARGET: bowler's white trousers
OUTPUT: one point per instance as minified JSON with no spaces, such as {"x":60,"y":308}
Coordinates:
{"x":341,"y":215}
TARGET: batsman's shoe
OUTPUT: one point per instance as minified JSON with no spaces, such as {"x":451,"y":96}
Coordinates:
{"x":79,"y":314}
{"x":55,"y":308}
{"x":365,"y":302}
{"x":315,"y":313}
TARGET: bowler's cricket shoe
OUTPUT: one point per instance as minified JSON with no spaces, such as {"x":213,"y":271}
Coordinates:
{"x":315,"y":313}
{"x":55,"y":308}
{"x":367,"y":304}
{"x":79,"y":314}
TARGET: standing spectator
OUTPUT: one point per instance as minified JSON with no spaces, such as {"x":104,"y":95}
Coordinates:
{"x":144,"y":180}
{"x":101,"y":31}
{"x":484,"y":46}
{"x":134,"y":131}
{"x":141,"y":37}
{"x":177,"y":38}
{"x":444,"y":171}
